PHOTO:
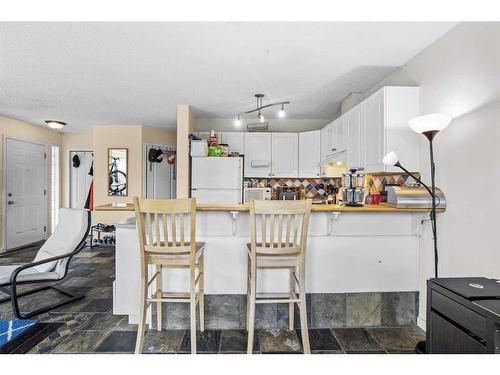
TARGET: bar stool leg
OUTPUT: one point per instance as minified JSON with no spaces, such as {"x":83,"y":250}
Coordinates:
{"x":142,"y":313}
{"x":251,"y":310}
{"x":303,"y":309}
{"x":248,"y":294}
{"x":291,"y":306}
{"x":192,"y":305}
{"x":201,"y":293}
{"x":159,"y":295}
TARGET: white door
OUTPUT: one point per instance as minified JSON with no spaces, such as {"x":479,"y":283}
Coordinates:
{"x":25,"y":200}
{"x":309,"y":154}
{"x":355,"y":138}
{"x":235,"y":140}
{"x":79,"y":178}
{"x":374,"y":132}
{"x":160,"y":177}
{"x":285,"y":155}
{"x":257,"y":154}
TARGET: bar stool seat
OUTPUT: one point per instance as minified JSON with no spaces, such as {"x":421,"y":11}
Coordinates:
{"x":283,"y":229}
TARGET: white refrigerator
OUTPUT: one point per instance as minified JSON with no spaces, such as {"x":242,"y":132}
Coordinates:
{"x":217,"y":180}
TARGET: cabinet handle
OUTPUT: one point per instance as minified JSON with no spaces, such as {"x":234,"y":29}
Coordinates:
{"x":334,"y":149}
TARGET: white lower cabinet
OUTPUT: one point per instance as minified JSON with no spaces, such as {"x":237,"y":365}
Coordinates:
{"x":285,"y":155}
{"x":309,"y":154}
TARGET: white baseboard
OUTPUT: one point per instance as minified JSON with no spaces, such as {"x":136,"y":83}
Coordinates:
{"x":421,"y":323}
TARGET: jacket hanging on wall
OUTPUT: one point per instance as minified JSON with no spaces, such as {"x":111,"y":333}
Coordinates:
{"x":154,"y":156}
{"x":76,"y":161}
{"x":89,"y":203}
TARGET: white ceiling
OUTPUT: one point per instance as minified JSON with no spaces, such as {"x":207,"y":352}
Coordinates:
{"x":136,"y":73}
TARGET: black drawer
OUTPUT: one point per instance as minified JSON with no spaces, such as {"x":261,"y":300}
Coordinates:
{"x":460,"y":315}
{"x":450,"y":339}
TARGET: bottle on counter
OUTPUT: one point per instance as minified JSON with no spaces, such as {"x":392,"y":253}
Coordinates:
{"x":213,"y":139}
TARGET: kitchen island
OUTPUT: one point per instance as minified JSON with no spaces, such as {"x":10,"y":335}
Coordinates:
{"x":369,"y":251}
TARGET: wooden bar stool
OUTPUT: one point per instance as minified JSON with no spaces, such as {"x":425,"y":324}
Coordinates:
{"x":281,"y":244}
{"x":163,"y":243}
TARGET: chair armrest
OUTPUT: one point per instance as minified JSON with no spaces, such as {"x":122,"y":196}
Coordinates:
{"x":18,"y":270}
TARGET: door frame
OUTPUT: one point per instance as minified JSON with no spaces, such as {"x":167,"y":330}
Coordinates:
{"x":69,"y":164}
{"x":145,"y":163}
{"x":4,"y":187}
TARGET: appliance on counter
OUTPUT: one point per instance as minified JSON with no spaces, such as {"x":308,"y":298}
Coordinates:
{"x":287,"y":193}
{"x":353,"y":188}
{"x":217,"y":180}
{"x":259,"y":194}
{"x":413,"y":197}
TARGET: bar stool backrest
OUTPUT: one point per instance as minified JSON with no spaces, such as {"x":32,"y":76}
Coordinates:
{"x":279,"y":227}
{"x":166,"y":226}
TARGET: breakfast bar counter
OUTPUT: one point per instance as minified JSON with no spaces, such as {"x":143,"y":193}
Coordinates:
{"x":370,"y":249}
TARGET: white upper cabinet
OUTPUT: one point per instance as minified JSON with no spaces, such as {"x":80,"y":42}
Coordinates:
{"x":355,"y":137}
{"x":309,"y":154}
{"x":235,"y":140}
{"x":374,"y":127}
{"x":285,"y":155}
{"x":387,"y":112}
{"x":258,"y":157}
{"x":374,"y":132}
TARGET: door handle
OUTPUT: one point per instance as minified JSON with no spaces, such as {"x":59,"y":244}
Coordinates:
{"x":10,"y":202}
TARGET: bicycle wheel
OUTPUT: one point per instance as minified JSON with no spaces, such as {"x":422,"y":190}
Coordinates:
{"x":117,"y":182}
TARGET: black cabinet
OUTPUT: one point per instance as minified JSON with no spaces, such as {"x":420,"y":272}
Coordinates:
{"x":460,"y":320}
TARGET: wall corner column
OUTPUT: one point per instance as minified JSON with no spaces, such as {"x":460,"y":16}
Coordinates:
{"x":186,"y":123}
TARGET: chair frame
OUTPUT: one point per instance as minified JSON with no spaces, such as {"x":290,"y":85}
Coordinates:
{"x":290,"y":250}
{"x":10,"y":288}
{"x":182,"y":255}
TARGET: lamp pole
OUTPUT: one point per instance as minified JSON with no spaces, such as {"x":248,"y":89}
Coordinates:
{"x":430,"y":136}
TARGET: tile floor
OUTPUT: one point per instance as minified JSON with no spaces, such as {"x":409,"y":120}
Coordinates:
{"x":90,"y":327}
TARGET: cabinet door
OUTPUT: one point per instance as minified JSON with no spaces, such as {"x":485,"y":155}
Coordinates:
{"x":285,"y":158}
{"x":257,"y":154}
{"x":324,"y":142}
{"x":332,"y":139}
{"x":309,"y":154}
{"x":235,"y":140}
{"x":374,"y":132}
{"x":355,"y":137}
{"x":342,"y":132}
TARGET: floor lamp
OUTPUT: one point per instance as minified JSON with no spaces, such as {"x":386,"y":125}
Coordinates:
{"x":428,"y":125}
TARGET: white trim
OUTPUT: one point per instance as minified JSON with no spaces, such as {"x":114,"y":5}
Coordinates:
{"x":421,"y":323}
{"x":68,"y":182}
{"x":4,"y":186}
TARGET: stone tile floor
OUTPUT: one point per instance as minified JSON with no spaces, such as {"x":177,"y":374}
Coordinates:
{"x":90,"y":326}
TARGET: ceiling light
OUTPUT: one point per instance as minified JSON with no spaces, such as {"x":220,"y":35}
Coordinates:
{"x":54,"y":124}
{"x":259,"y":107}
{"x":237,"y":122}
{"x":282,"y":112}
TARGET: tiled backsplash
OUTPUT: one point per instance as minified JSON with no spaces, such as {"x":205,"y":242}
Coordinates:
{"x":375,"y":182}
{"x":312,"y":187}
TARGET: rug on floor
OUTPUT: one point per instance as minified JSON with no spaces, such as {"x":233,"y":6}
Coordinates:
{"x":19,"y":336}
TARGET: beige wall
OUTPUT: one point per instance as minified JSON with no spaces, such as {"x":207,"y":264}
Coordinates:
{"x":29,"y":132}
{"x":459,"y":75}
{"x":186,"y":123}
{"x":158,"y":136}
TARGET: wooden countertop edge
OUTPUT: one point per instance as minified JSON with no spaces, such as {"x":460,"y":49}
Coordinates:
{"x":245,"y":208}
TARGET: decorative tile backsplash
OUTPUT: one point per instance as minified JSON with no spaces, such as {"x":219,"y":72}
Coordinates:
{"x":375,"y":182}
{"x":314,"y":188}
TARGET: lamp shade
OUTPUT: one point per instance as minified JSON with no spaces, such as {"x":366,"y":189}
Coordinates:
{"x":390,"y":159}
{"x":434,"y":122}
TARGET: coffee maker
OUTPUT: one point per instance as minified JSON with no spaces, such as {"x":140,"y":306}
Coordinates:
{"x":353,"y":188}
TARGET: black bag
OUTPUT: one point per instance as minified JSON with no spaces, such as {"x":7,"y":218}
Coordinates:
{"x":155,"y":155}
{"x":76,"y":161}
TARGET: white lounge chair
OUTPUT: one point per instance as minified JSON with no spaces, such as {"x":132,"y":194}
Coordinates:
{"x":50,"y":264}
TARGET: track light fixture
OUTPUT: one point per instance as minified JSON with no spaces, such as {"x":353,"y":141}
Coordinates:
{"x":258,"y":109}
